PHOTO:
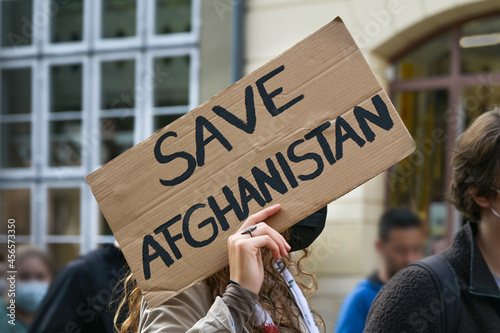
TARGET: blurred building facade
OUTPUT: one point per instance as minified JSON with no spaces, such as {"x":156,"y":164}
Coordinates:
{"x":82,"y":81}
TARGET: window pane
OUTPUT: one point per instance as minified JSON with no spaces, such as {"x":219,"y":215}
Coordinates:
{"x":118,"y":18}
{"x":63,"y":253}
{"x":419,"y":180}
{"x":429,"y":59}
{"x":65,"y":143}
{"x":117,"y":136}
{"x":16,"y":90}
{"x":64,"y":211}
{"x":66,"y":24}
{"x":479,"y":99}
{"x":16,"y":145}
{"x":173,"y":16}
{"x":164,"y":120}
{"x":480,"y":46}
{"x":15,"y":16}
{"x":118,"y":80}
{"x":171,"y":81}
{"x":66,"y":88}
{"x":15,"y":204}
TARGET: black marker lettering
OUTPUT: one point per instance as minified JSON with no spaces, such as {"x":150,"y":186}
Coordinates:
{"x":220,"y":213}
{"x":147,"y":258}
{"x":308,"y":156}
{"x":253,"y":194}
{"x":383,"y":120}
{"x":168,"y":237}
{"x":201,"y":142}
{"x":287,"y":170}
{"x":323,"y":143}
{"x":249,"y":125}
{"x":273,"y":179}
{"x":340,"y":124}
{"x":168,"y":158}
{"x":267,"y":97}
{"x":187,"y":234}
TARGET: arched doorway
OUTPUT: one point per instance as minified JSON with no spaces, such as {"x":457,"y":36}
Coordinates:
{"x":439,"y":86}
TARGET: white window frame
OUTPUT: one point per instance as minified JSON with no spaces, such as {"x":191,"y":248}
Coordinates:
{"x":23,"y":185}
{"x":47,"y":116}
{"x":180,"y":38}
{"x":43,"y":218}
{"x":33,"y":117}
{"x":123,"y":43}
{"x":26,"y":50}
{"x":115,"y":113}
{"x":194,"y":90}
{"x":66,"y":47}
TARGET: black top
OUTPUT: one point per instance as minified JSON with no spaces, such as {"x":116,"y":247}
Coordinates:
{"x":410,"y":302}
{"x":78,"y":299}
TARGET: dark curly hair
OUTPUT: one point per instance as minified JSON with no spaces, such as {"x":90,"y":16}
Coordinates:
{"x":476,"y":163}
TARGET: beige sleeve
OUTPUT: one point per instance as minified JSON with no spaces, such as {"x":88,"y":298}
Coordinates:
{"x":190,"y":311}
{"x":241,"y":304}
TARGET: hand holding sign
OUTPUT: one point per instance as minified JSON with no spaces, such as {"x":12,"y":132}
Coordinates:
{"x":245,"y":259}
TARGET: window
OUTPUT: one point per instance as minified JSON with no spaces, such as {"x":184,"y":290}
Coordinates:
{"x":65,"y":99}
{"x":172,"y":16}
{"x":16,"y":116}
{"x":441,"y":86}
{"x":16,"y":203}
{"x":15,"y":18}
{"x":118,"y":18}
{"x":67,"y":25}
{"x":98,"y":78}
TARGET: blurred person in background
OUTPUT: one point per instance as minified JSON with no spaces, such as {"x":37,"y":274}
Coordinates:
{"x":400,"y":242}
{"x":34,"y":273}
{"x":81,"y":298}
{"x":411,"y":301}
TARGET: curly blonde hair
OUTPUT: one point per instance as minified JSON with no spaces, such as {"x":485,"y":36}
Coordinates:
{"x":274,"y":296}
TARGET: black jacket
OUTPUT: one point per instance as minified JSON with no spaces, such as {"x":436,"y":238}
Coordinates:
{"x":79,"y":298}
{"x":409,"y":302}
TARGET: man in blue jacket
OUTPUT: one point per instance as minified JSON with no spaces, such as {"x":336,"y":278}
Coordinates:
{"x":399,"y":243}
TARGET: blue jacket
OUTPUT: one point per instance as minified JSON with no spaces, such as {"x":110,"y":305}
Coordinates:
{"x":354,"y":310}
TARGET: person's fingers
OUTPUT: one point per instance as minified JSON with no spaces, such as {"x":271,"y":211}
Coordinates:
{"x":264,"y":229}
{"x":263,"y":241}
{"x":260,"y":216}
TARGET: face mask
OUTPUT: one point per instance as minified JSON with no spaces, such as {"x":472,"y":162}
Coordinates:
{"x":303,"y":233}
{"x":30,"y":294}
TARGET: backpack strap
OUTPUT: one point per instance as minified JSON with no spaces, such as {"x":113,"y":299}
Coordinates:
{"x":446,"y":281}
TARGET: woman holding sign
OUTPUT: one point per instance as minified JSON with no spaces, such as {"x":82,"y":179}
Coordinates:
{"x":260,"y":291}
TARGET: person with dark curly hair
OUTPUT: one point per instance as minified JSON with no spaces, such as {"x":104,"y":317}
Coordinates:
{"x":411,"y":301}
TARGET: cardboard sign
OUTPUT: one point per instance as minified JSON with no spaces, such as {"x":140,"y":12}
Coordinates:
{"x":302,"y":130}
